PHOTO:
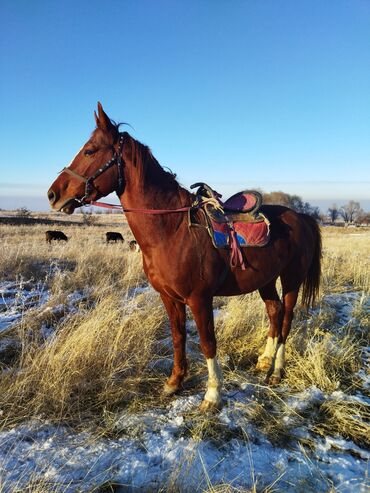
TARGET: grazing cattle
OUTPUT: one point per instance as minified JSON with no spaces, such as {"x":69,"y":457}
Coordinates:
{"x":113,"y":236}
{"x":133,"y":246}
{"x":55,"y":235}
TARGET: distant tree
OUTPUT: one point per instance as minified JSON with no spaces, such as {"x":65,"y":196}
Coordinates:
{"x":363,"y":218}
{"x":350,"y":211}
{"x":23,"y":212}
{"x":88,"y":218}
{"x":311,"y":210}
{"x":278,"y":198}
{"x":333,"y":213}
{"x":323,"y":217}
{"x":294,"y":202}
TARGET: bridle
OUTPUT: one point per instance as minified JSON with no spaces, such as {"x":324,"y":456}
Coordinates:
{"x":89,"y":182}
{"x":211,"y":198}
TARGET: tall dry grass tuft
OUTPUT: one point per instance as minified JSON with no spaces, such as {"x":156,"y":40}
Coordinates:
{"x":241,"y":330}
{"x":33,"y":484}
{"x":348,"y":419}
{"x":101,"y":269}
{"x":95,"y":361}
{"x":327,"y":361}
{"x":345,"y":261}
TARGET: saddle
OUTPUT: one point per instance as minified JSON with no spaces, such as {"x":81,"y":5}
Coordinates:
{"x":235,"y":223}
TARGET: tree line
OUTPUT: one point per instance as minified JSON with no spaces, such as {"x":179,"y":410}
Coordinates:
{"x":294,"y":202}
{"x":350,"y":213}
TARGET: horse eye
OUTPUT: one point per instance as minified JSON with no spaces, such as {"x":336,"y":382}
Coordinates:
{"x":89,"y":152}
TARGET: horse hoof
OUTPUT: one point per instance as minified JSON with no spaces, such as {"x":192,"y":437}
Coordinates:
{"x":263,"y":364}
{"x":210,"y":407}
{"x":169,"y":390}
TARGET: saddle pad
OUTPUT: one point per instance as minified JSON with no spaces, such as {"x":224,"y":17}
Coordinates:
{"x":255,"y":234}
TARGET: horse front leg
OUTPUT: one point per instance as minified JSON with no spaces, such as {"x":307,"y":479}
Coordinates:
{"x":177,"y":315}
{"x":202,"y":310}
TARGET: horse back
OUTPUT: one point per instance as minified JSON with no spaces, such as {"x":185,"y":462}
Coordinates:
{"x":290,"y":249}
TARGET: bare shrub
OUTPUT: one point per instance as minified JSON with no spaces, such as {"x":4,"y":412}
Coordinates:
{"x":23,"y":212}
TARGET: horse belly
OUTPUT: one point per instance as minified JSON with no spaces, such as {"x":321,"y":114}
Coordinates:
{"x":235,"y":285}
{"x":262,"y":265}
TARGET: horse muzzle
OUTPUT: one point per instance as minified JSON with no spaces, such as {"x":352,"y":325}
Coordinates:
{"x":67,"y":206}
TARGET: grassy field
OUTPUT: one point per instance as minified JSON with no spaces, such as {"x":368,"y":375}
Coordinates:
{"x":98,"y":344}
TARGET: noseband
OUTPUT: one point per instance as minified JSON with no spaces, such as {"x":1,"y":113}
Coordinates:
{"x":89,"y":182}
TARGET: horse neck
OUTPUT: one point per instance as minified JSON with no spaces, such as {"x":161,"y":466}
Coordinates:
{"x":148,"y":186}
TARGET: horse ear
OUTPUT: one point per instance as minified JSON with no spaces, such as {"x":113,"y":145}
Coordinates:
{"x":96,"y":119}
{"x":103,"y":120}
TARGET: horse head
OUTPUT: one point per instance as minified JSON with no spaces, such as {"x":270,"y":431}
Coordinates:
{"x":95,"y":171}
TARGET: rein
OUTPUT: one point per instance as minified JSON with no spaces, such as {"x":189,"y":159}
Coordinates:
{"x":212,"y":198}
{"x":142,"y":211}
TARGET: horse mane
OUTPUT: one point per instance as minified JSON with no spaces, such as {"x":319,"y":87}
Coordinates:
{"x":150,"y":171}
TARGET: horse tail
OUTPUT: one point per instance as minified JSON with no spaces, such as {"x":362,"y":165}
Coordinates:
{"x":311,"y":284}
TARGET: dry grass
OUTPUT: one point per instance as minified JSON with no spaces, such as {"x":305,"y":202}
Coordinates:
{"x":241,"y":330}
{"x":94,"y":362}
{"x":350,"y":420}
{"x":346,"y":259}
{"x":102,"y":357}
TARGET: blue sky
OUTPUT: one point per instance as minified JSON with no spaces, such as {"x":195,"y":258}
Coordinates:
{"x":271,"y":94}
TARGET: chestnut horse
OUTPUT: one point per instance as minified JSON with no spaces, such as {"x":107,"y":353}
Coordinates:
{"x":186,"y":269}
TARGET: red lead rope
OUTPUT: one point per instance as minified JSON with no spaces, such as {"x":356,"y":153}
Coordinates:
{"x":143,"y":211}
{"x":236,"y":257}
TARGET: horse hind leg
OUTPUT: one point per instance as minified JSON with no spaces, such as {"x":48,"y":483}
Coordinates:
{"x":289,"y":302}
{"x":274,"y":310}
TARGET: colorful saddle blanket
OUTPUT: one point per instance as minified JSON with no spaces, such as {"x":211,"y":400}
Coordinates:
{"x":235,"y":223}
{"x":241,"y":211}
{"x":248,"y":234}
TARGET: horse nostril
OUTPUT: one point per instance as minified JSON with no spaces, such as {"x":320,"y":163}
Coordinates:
{"x":51,"y":196}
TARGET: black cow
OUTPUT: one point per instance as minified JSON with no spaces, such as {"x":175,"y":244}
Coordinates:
{"x":113,"y":236}
{"x":133,"y":246}
{"x":55,"y":235}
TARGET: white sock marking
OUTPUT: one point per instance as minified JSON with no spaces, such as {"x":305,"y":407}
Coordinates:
{"x":279,"y":360}
{"x":215,"y":380}
{"x":270,"y":348}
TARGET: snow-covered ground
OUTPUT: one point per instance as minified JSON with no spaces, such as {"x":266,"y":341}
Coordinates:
{"x":16,"y":297}
{"x":163,"y":447}
{"x":155,"y":449}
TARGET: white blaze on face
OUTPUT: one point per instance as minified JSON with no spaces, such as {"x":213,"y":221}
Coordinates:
{"x":78,"y":152}
{"x":215,"y":380}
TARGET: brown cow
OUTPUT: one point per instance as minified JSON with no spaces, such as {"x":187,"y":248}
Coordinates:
{"x":55,"y":235}
{"x":113,"y":236}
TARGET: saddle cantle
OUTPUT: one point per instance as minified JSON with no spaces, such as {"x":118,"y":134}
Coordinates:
{"x":235,"y":223}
